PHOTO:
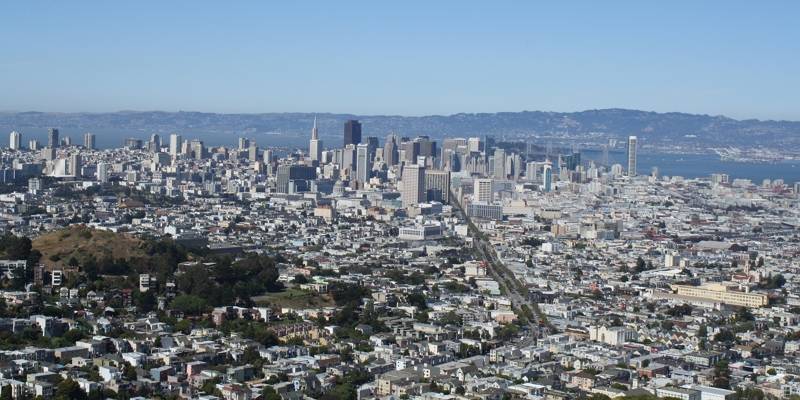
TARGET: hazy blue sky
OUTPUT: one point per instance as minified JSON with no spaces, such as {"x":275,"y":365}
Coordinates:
{"x":741,"y":59}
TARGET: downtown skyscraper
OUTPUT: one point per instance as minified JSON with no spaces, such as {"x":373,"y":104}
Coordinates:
{"x":499,"y":166}
{"x":89,"y":140}
{"x":52,"y":138}
{"x":482,"y":188}
{"x":413,"y":185}
{"x":244,"y":143}
{"x":362,"y":164}
{"x":631,"y":156}
{"x":547,"y":177}
{"x":390,"y":153}
{"x":352,"y":132}
{"x":15,"y":140}
{"x":175,"y":142}
{"x":437,"y":185}
{"x":315,"y":145}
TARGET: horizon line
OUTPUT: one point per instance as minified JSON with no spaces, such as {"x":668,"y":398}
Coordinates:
{"x":397,"y":115}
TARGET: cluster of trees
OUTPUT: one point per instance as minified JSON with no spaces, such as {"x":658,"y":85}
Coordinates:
{"x":69,"y":389}
{"x":507,"y":332}
{"x":189,"y":304}
{"x":345,"y":387}
{"x":642,"y":266}
{"x":33,"y":337}
{"x":453,"y":256}
{"x":397,"y":275}
{"x":725,"y":336}
{"x":349,"y":296}
{"x":230,"y":282}
{"x":744,"y":314}
{"x":756,"y":263}
{"x":774,"y":282}
{"x":722,"y":375}
{"x":251,"y":329}
{"x":345,"y":294}
{"x":161,"y":258}
{"x":455,"y":287}
{"x":450,"y":318}
{"x":532,"y":241}
{"x":417,"y":299}
{"x":679,"y":311}
{"x":93,"y":268}
{"x":14,"y":247}
{"x":706,"y":265}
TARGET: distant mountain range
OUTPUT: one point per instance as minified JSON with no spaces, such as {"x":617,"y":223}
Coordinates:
{"x":592,"y":126}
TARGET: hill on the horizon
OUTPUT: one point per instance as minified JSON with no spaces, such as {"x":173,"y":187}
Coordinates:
{"x":652,"y":127}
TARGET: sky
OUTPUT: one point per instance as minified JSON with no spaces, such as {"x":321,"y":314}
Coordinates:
{"x":734,"y":58}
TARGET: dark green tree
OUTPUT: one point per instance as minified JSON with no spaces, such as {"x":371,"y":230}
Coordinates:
{"x":270,"y":394}
{"x":189,"y":304}
{"x":69,"y":390}
{"x":129,"y":372}
{"x":146,"y":301}
{"x":722,"y":375}
{"x":5,"y":392}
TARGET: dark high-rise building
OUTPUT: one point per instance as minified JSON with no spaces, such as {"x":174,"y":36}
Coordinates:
{"x":293,"y":178}
{"x":411,"y":150}
{"x":52,"y":138}
{"x":372,"y":142}
{"x":489,"y":143}
{"x":570,"y":161}
{"x":352,"y":132}
{"x":372,"y":146}
{"x":155,"y":143}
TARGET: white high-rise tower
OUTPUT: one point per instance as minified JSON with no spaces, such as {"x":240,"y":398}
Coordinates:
{"x":89,"y":140}
{"x":413,"y":185}
{"x":362,"y":163}
{"x":15,"y":139}
{"x":103,"y":172}
{"x":482,"y":190}
{"x":631,"y":156}
{"x":175,"y":142}
{"x":499,"y":171}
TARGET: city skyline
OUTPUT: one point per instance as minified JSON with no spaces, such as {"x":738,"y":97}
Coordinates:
{"x":402,"y":243}
{"x":422,"y":145}
{"x":480,"y":257}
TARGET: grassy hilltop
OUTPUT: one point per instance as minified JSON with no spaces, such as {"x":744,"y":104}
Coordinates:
{"x":82,"y":242}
